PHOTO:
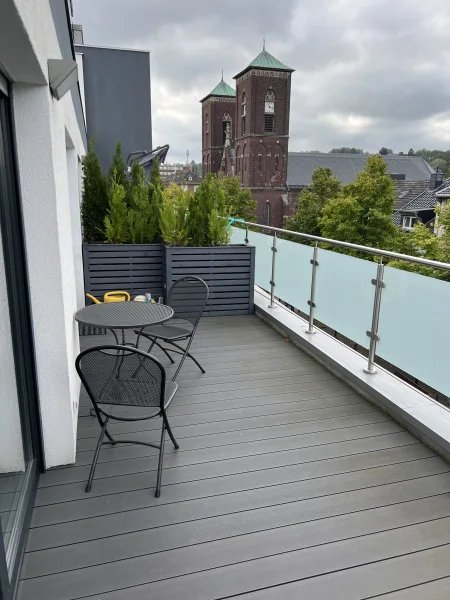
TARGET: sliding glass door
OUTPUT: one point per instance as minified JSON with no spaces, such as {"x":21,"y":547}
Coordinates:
{"x":19,"y":440}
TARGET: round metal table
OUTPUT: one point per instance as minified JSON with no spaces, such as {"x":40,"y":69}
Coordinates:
{"x":124,"y":315}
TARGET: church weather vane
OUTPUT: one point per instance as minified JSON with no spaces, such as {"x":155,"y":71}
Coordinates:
{"x":264,"y":43}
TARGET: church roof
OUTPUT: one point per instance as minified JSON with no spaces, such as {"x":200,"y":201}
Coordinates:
{"x":264,"y":60}
{"x":221,"y":89}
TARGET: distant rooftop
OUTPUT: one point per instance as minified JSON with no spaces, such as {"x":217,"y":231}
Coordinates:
{"x":301,"y":166}
{"x":221,"y":89}
{"x":408,"y":190}
{"x":264,"y":60}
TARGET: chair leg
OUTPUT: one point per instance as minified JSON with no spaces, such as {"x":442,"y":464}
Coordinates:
{"x":160,"y":461}
{"x":186,"y":353}
{"x":165,"y":352}
{"x":196,"y":362}
{"x":169,"y":431}
{"x":96,"y":453}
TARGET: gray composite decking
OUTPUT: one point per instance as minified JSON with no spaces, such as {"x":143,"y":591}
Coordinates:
{"x":286,"y":485}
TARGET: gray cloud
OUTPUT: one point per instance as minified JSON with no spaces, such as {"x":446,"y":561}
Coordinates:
{"x":368,"y":73}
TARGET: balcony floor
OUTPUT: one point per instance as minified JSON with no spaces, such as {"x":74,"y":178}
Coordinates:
{"x":287,"y":485}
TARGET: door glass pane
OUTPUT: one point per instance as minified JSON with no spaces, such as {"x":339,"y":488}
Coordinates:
{"x":12,"y":455}
{"x":16,"y":455}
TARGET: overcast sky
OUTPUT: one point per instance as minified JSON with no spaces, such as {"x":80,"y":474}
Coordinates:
{"x":368,"y":73}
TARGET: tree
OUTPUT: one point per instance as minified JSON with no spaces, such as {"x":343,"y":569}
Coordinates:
{"x":325,"y":187}
{"x":155,"y":195}
{"x":423,"y":242}
{"x":94,"y":204}
{"x":385,"y":151}
{"x":206,"y":207}
{"x":116,"y":222}
{"x":410,"y":152}
{"x":143,"y":220}
{"x":239,"y":202}
{"x":173,"y":215}
{"x":439,"y":159}
{"x":363,"y":213}
{"x":347,"y":150}
{"x":118,"y":169}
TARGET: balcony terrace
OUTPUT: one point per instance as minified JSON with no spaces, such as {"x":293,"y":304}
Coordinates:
{"x":302,"y":470}
{"x":287,"y":484}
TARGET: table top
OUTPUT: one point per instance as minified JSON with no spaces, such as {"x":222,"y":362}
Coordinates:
{"x":124,"y":315}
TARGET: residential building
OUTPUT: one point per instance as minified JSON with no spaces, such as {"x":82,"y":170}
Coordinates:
{"x":186,"y":178}
{"x":116,"y":96}
{"x":258,"y":114}
{"x":42,"y":142}
{"x":421,"y":207}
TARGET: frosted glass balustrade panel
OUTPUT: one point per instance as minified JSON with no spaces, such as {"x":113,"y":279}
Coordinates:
{"x":237,"y":236}
{"x":414,"y":326}
{"x":344,"y":294}
{"x":263,"y":258}
{"x":293,"y":273}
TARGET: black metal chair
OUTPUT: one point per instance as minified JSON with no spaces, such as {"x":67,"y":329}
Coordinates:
{"x":126,"y":384}
{"x":187,"y":297}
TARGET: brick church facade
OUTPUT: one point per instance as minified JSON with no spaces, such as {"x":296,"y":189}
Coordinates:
{"x":245,"y":132}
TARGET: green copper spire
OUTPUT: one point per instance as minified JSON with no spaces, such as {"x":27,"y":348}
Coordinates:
{"x":264,"y":60}
{"x":221,"y":89}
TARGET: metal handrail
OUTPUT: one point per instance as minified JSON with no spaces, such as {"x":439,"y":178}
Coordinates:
{"x":387,"y":253}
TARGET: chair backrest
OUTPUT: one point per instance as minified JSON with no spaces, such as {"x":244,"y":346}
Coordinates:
{"x":188,"y":297}
{"x":122,"y":376}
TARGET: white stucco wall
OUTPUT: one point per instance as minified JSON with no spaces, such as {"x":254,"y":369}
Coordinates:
{"x":49,"y":147}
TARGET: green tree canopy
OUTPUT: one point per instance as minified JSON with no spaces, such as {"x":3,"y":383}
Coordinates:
{"x":385,"y":151}
{"x":205,"y":227}
{"x":94,"y":203}
{"x":143,"y":219}
{"x":116,"y":223}
{"x":239,"y":202}
{"x":347,"y":150}
{"x":362,"y":214}
{"x":174,"y":215}
{"x":118,"y":169}
{"x":410,"y":152}
{"x":311,"y":201}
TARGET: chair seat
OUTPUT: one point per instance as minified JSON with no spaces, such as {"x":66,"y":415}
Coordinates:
{"x":127,"y":411}
{"x":177,"y":329}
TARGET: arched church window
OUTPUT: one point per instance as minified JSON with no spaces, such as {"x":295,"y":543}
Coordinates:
{"x":243,"y":113}
{"x":267,"y":213}
{"x":259,"y":162}
{"x":269,"y":111}
{"x":276,"y":162}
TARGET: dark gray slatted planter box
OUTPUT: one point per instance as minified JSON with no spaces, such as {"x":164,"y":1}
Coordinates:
{"x":135,"y":268}
{"x":139,"y":268}
{"x":229,"y":272}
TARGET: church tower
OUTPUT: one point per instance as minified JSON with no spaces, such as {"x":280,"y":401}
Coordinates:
{"x":218,"y":110}
{"x":263,"y":95}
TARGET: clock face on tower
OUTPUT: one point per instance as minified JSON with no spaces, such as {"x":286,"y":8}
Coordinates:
{"x":269,"y":107}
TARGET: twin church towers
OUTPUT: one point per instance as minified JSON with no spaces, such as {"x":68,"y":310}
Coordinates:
{"x":245,"y":132}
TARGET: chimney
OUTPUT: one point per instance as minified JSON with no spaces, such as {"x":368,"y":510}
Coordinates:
{"x":436,"y":180}
{"x":77,"y":31}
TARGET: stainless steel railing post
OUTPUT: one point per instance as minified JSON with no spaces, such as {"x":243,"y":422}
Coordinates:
{"x":312,"y":298}
{"x":272,"y":281}
{"x":373,"y":333}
